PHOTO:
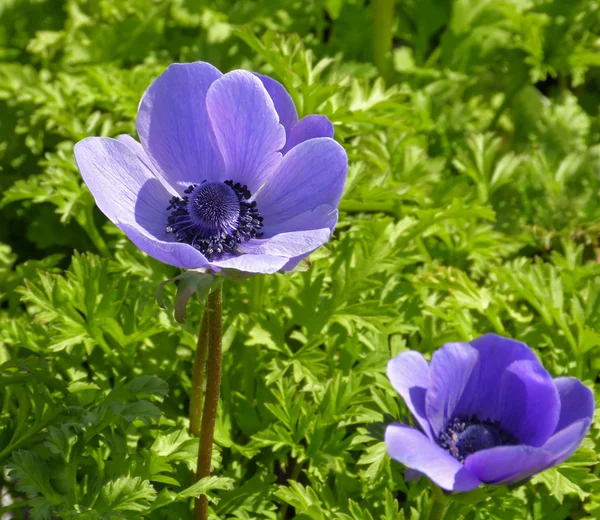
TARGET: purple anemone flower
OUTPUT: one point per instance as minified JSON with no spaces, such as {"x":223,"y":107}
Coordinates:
{"x":225,"y":176}
{"x":489,"y":413}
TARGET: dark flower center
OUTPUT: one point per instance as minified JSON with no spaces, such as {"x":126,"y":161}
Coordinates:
{"x":214,"y":217}
{"x":463,"y":437}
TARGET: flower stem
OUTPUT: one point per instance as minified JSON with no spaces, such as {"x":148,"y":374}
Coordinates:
{"x":294,"y":476}
{"x":211,"y":399}
{"x":439,"y":504}
{"x":197,"y":392}
{"x":86,"y":221}
{"x":508,"y":99}
{"x":383,"y":20}
{"x":354,"y":206}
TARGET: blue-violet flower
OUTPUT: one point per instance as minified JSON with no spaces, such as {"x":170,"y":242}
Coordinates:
{"x":225,"y":175}
{"x":488,"y":411}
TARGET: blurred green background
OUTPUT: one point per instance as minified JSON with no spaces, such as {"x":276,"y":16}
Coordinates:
{"x":471,"y":206}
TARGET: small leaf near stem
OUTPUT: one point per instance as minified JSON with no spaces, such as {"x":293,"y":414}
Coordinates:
{"x":197,"y":392}
{"x":189,"y":284}
{"x":211,"y":399}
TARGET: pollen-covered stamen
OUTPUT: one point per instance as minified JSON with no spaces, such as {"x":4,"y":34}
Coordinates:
{"x":461,"y":438}
{"x":214,"y":217}
{"x":215,"y":207}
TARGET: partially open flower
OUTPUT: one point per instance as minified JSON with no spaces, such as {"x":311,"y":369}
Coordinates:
{"x":489,"y":413}
{"x":225,"y":177}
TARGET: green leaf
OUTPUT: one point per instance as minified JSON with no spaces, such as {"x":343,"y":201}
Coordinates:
{"x":61,"y":441}
{"x":32,"y":474}
{"x":204,"y":486}
{"x":562,"y":482}
{"x":188,"y":284}
{"x":125,"y":494}
{"x":149,"y":386}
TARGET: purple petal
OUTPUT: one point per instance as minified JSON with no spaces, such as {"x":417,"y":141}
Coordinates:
{"x":174,"y":127}
{"x":115,"y":176}
{"x":288,"y":245}
{"x":413,"y":449}
{"x":412,"y":475}
{"x":507,"y":464}
{"x":127,"y":192}
{"x":496,"y":354}
{"x":527,"y":402}
{"x":409,"y":374}
{"x":173,"y":253}
{"x":138,"y":150}
{"x":564,"y":443}
{"x":310,"y":175}
{"x":449,"y":373}
{"x":306,"y":232}
{"x":265,"y":264}
{"x":293,"y":262}
{"x":576,"y":401}
{"x":576,"y":412}
{"x":284,"y":104}
{"x":308,"y":127}
{"x":323,"y":216}
{"x":246,"y":126}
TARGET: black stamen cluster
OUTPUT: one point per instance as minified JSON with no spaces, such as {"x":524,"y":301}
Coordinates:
{"x":458,"y":439}
{"x":213,"y":244}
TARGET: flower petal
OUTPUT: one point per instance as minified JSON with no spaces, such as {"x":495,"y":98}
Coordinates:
{"x":293,"y":262}
{"x":564,"y":443}
{"x":172,"y":253}
{"x":308,"y":127}
{"x":415,"y":450}
{"x":507,"y":464}
{"x":409,"y":374}
{"x":449,"y":372}
{"x":115,"y":176}
{"x":174,"y":127}
{"x":246,"y":127}
{"x":265,"y":264}
{"x":332,"y":218}
{"x":127,"y":192}
{"x":310,"y":175}
{"x":138,"y":150}
{"x":298,"y":237}
{"x":576,"y":401}
{"x":496,"y":354}
{"x":576,"y":412}
{"x":288,"y":245}
{"x":527,"y":402}
{"x":323,"y":216}
{"x":284,"y":104}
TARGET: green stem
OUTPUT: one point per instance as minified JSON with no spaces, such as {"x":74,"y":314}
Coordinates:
{"x":423,"y":249}
{"x":383,"y":22}
{"x":439,"y":504}
{"x":294,"y":476}
{"x":355,"y":206}
{"x":495,"y":321}
{"x":580,"y":359}
{"x":15,"y":505}
{"x":87,"y":223}
{"x":197,"y":392}
{"x":211,"y":399}
{"x":256,"y":297}
{"x":508,"y":99}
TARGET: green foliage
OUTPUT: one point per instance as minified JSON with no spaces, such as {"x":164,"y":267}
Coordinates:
{"x":471,"y":206}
